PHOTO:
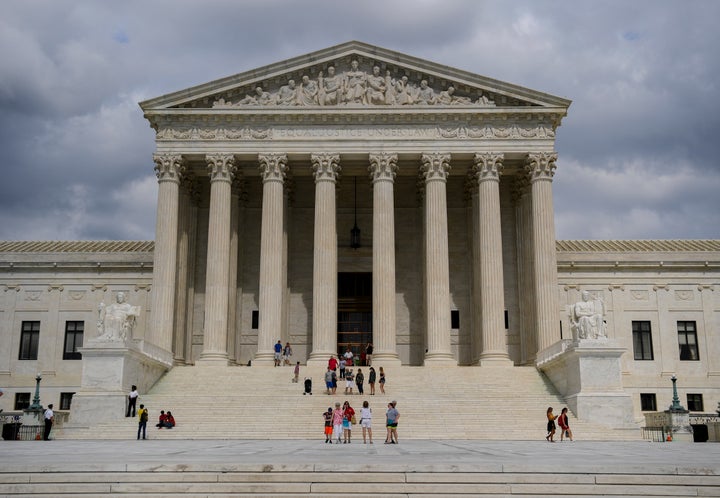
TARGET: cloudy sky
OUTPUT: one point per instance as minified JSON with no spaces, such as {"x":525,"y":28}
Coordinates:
{"x":637,"y":157}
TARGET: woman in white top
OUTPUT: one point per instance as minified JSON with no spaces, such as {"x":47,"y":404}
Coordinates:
{"x":366,"y":421}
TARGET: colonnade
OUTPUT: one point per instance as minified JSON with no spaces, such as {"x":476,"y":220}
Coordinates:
{"x":535,"y":229}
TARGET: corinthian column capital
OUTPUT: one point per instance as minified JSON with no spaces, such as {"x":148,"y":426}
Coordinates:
{"x":541,"y":165}
{"x":435,"y":166}
{"x":273,"y":167}
{"x":169,"y":167}
{"x":221,"y":167}
{"x":488,"y":166}
{"x":383,"y":166}
{"x":326,"y":167}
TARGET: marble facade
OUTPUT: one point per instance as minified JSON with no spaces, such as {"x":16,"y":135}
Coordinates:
{"x":448,"y":174}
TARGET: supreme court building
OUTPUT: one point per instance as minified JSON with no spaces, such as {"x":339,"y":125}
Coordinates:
{"x":358,"y":195}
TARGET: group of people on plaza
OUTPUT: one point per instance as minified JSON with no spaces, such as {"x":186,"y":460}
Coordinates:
{"x":562,"y":421}
{"x":339,"y":423}
{"x":166,"y":420}
{"x":339,"y":370}
{"x":282,"y":353}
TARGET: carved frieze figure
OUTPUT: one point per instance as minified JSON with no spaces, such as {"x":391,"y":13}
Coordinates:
{"x":116,"y":320}
{"x":329,"y":87}
{"x":287,"y":95}
{"x":402,"y":92}
{"x":355,"y":84}
{"x":376,"y":88}
{"x":308,"y":92}
{"x":448,"y":97}
{"x":425,"y":94}
{"x":260,"y":98}
{"x":587,"y":317}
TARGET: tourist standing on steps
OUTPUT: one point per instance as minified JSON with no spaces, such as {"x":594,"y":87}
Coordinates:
{"x":328,"y":418}
{"x":278,"y":353}
{"x":348,"y":357}
{"x":333,"y":375}
{"x":371,"y":380}
{"x":49,"y":417}
{"x":337,"y":420}
{"x":342,"y":368}
{"x":382,"y":381}
{"x":368,"y":354}
{"x":348,"y":415}
{"x":550,"y":425}
{"x":143,"y":416}
{"x":349,"y":381}
{"x":366,"y":421}
{"x":332,"y":363}
{"x":564,"y":425}
{"x":287,"y":353}
{"x":296,"y":372}
{"x":359,"y":379}
{"x":392,"y":416}
{"x":328,"y":380}
{"x":132,"y":401}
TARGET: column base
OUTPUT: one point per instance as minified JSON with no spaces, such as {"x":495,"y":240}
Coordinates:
{"x":263,"y":359}
{"x":495,"y":359}
{"x":439,"y":359}
{"x":212,"y":360}
{"x":386,"y":359}
{"x":320,"y":358}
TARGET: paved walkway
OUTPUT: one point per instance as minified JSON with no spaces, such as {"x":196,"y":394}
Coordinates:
{"x":294,"y":455}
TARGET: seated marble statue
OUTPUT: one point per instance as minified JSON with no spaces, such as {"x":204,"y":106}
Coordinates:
{"x":587,"y":318}
{"x":116,"y":320}
{"x":260,"y":98}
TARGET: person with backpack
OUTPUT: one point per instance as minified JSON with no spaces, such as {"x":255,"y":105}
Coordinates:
{"x":143,"y":416}
{"x":564,"y":425}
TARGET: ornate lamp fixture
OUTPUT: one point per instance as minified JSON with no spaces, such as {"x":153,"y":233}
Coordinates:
{"x":355,"y":232}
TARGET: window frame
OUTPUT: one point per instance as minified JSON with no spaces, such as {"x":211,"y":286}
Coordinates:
{"x":66,"y":400}
{"x":697,"y":404}
{"x":21,"y":405}
{"x":648,"y":397}
{"x":73,"y":353}
{"x":689,"y":347}
{"x":638,"y":330}
{"x":29,"y":340}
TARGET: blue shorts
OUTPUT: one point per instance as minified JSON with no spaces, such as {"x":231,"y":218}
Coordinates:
{"x":329,"y":384}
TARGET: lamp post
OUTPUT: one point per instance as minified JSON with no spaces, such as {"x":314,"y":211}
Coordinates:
{"x":676,"y":406}
{"x":36,"y":400}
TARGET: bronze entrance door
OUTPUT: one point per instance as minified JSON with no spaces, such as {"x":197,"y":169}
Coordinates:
{"x":354,"y":313}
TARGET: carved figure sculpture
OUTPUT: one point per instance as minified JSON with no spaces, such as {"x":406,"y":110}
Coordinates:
{"x":330,"y":87}
{"x":376,"y":88}
{"x":425,"y":95}
{"x":402,"y":92}
{"x":587,"y":317}
{"x":116,"y":321}
{"x":308,"y":92}
{"x":355,"y":84}
{"x":260,"y":98}
{"x":448,"y":97}
{"x":287,"y":95}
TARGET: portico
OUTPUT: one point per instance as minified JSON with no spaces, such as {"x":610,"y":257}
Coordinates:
{"x":454,"y":202}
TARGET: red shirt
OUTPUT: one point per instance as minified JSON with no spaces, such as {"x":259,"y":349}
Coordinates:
{"x":332,"y":363}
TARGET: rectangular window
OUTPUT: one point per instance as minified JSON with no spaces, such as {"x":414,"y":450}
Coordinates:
{"x":454,"y":319}
{"x":255,"y":319}
{"x":22,"y":401}
{"x":73,"y":340}
{"x":695,"y":402}
{"x":642,"y":340}
{"x":29,"y":339}
{"x":65,"y":400}
{"x":648,"y":402}
{"x":687,"y":339}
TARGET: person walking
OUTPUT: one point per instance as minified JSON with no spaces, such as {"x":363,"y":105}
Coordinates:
{"x":296,"y":373}
{"x":366,"y":422}
{"x":143,"y":416}
{"x":337,"y":421}
{"x":132,"y":400}
{"x":359,"y":379}
{"x":49,"y":417}
{"x":278,"y":353}
{"x":287,"y":353}
{"x":550,"y":425}
{"x":371,"y":380}
{"x":348,"y":417}
{"x":382,"y":381}
{"x":564,"y":425}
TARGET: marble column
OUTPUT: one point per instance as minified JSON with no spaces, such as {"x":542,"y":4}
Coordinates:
{"x":526,"y":285}
{"x":233,"y":268}
{"x":487,"y":168}
{"x":169,"y":170}
{"x":221,"y":168}
{"x":434,"y":171}
{"x":383,"y":167}
{"x":540,"y":167}
{"x":273,"y":168}
{"x":326,"y":169}
{"x":185,"y":212}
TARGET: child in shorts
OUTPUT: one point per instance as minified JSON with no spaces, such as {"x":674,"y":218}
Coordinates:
{"x":327,"y":416}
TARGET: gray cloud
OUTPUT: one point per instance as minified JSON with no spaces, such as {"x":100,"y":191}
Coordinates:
{"x":636,"y":152}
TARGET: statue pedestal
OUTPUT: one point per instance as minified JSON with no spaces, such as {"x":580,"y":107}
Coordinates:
{"x":587,"y":373}
{"x":109,"y":369}
{"x":675,"y":422}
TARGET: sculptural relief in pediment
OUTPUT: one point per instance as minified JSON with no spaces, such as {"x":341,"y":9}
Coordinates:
{"x":354,"y":81}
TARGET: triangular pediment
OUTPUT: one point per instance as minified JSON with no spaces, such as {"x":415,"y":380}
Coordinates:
{"x":354,"y":75}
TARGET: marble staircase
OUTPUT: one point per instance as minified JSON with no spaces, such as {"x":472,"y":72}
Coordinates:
{"x":475,"y":403}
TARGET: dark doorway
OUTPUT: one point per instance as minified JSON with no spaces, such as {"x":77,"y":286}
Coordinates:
{"x":354,"y":312}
